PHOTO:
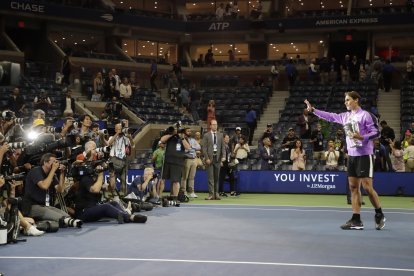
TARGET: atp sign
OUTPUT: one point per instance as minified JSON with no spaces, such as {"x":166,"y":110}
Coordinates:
{"x":219,"y":26}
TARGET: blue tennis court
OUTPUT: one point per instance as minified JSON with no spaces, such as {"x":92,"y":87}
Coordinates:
{"x":223,"y":240}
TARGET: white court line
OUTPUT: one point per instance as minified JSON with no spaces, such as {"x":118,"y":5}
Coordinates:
{"x":290,"y":209}
{"x":211,"y":262}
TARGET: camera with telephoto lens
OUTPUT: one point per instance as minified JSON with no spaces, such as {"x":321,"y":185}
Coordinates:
{"x":90,"y":168}
{"x":43,"y":145}
{"x":103,"y":131}
{"x":169,"y":202}
{"x":10,"y":116}
{"x":125,"y":130}
{"x":105,"y":149}
{"x":17,"y":145}
{"x":15,"y":177}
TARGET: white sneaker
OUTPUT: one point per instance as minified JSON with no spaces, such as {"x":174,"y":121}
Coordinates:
{"x":192,"y":195}
{"x":33,"y":231}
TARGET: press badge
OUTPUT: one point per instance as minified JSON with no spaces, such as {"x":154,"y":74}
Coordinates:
{"x":47,"y":200}
{"x":320,"y":143}
{"x":215,"y":147}
{"x":178,"y":147}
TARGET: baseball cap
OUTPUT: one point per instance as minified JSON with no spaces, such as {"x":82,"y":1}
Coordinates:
{"x":291,"y":128}
{"x":38,"y":122}
{"x":238,"y":128}
{"x":269,"y":125}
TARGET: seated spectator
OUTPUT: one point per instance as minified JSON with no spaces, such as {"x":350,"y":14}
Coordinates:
{"x":298,"y":157}
{"x":398,"y":153}
{"x":234,"y":10}
{"x":241,"y":150}
{"x":98,"y":87}
{"x":331,"y":157}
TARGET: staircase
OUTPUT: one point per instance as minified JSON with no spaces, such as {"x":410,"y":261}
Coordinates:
{"x":271,"y":113}
{"x":389,"y":105}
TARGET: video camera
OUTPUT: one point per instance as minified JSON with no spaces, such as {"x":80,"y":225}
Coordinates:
{"x":89,"y":168}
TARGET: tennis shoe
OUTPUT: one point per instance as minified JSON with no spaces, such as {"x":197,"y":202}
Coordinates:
{"x":379,"y":221}
{"x":353,"y":225}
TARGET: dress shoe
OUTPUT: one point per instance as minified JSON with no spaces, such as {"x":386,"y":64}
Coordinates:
{"x":217,"y":197}
{"x":210,"y":197}
{"x":223,"y":194}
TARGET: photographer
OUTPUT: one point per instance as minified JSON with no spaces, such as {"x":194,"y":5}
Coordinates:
{"x":9,"y":192}
{"x":16,"y":102}
{"x":176,"y":144}
{"x":190,"y":164}
{"x":42,"y":101}
{"x":87,"y":203}
{"x":146,"y":186}
{"x":99,"y":136}
{"x":112,"y":110}
{"x":84,"y":130}
{"x":331,"y":157}
{"x":41,"y":187}
{"x":121,"y":144}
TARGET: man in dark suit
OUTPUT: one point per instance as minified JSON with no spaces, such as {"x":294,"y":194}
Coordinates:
{"x":267,"y":155}
{"x":213,"y":149}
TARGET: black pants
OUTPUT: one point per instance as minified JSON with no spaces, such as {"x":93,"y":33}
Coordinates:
{"x":251,"y":126}
{"x":152,"y":82}
{"x":226,"y":171}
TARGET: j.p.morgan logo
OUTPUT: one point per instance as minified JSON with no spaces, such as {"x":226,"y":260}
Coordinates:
{"x":108,"y":17}
{"x":325,"y":181}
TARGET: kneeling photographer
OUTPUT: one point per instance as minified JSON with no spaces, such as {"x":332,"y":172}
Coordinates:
{"x":146,"y":186}
{"x":88,"y":207}
{"x":176,"y":144}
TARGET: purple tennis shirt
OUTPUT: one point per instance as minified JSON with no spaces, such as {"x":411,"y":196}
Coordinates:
{"x":366,"y":122}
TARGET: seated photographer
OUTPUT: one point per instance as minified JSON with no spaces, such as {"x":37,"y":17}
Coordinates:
{"x":88,"y":207}
{"x":41,"y":187}
{"x":146,"y":186}
{"x":7,"y":190}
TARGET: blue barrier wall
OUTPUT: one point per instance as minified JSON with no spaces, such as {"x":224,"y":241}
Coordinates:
{"x":306,"y":182}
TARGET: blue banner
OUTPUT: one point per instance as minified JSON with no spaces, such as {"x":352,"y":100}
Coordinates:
{"x":301,"y":182}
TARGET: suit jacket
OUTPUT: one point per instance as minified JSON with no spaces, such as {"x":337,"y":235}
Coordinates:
{"x":265,"y":157}
{"x":302,"y":123}
{"x":207,"y":146}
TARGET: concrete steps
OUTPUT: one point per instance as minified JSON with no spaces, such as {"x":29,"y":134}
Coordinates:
{"x":389,"y":108}
{"x":271,"y":113}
